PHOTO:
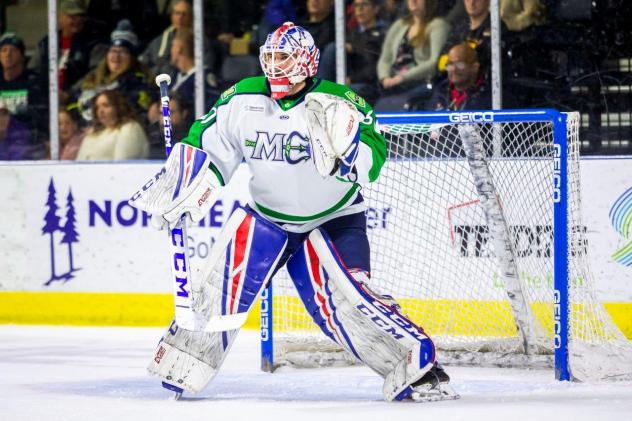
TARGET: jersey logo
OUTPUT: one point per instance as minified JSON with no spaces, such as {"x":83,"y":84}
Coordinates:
{"x":228,"y":92}
{"x":356,"y":99}
{"x":291,"y":148}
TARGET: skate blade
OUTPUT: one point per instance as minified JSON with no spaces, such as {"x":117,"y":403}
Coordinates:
{"x":441,"y":392}
{"x":177,"y":391}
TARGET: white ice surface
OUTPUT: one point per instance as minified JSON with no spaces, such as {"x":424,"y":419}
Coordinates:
{"x":98,"y":374}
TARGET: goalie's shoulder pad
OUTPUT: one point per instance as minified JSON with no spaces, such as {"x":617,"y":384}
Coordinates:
{"x":184,"y":184}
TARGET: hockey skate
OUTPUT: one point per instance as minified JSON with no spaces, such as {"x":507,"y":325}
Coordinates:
{"x":433,"y":386}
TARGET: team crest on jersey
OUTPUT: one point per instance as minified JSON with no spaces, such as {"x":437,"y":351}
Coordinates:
{"x":291,"y":148}
{"x":228,"y":92}
{"x":356,"y":99}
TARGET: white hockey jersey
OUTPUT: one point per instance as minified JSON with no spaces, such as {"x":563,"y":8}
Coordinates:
{"x":272,"y":137}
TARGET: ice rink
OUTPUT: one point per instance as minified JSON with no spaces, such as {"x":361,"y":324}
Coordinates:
{"x":94,"y":374}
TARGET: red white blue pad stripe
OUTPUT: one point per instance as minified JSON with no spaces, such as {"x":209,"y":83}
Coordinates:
{"x":312,"y":284}
{"x":251,"y":254}
{"x":358,"y":319}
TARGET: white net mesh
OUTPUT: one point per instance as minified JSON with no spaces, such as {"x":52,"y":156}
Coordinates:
{"x":431,"y":248}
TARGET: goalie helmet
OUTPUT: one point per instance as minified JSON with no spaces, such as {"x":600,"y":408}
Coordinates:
{"x":288,"y":57}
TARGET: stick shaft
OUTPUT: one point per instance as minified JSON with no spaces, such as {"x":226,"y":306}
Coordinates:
{"x":178,"y":244}
{"x":166,"y":115}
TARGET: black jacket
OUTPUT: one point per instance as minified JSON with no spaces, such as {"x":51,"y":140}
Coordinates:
{"x":366,"y":47}
{"x":323,"y":32}
{"x":26,"y":101}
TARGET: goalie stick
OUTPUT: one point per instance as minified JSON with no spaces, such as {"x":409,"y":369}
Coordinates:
{"x":178,"y":240}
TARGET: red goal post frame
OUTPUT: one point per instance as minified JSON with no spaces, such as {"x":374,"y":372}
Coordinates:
{"x":560,"y":220}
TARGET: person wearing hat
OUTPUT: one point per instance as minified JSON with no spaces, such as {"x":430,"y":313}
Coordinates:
{"x":120,"y":70}
{"x":20,"y":89}
{"x":13,"y":61}
{"x":75,"y":42}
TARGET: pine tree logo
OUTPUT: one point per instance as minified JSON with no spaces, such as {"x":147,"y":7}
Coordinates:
{"x":67,"y":231}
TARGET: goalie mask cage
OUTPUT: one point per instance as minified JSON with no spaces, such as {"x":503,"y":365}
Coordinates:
{"x":475,"y":229}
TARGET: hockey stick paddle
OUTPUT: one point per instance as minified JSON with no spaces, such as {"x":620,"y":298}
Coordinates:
{"x":178,"y":242}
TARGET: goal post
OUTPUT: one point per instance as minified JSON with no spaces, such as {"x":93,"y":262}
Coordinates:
{"x":475,"y":228}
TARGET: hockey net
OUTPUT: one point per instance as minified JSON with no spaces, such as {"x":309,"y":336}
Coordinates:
{"x":454,"y":234}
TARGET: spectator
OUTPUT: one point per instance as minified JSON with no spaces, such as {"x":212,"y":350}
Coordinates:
{"x":119,"y":69}
{"x":75,"y":44}
{"x":409,"y":54}
{"x":465,"y":86}
{"x":15,"y":139}
{"x":475,"y":29}
{"x":114,"y":134}
{"x":181,"y":119}
{"x":183,"y":61}
{"x":320,"y":22}
{"x":183,"y":78}
{"x":70,"y":135}
{"x":519,"y":15}
{"x":363,"y":49}
{"x":156,"y":55}
{"x":20,"y":89}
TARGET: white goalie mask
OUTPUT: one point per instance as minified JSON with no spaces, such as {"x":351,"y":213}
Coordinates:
{"x":288,"y":57}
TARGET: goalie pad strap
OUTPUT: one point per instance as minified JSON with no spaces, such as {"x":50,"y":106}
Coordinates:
{"x":358,"y":319}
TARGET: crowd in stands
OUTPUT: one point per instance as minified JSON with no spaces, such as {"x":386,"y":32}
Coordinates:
{"x":401,"y":55}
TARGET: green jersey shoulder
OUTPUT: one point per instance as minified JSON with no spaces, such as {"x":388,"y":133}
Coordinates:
{"x":252,"y":85}
{"x":344,"y":92}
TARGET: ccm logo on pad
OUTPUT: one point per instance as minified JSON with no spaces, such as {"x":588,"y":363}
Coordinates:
{"x":159,"y":354}
{"x":350,"y":125}
{"x":471,"y":117}
{"x":205,"y":196}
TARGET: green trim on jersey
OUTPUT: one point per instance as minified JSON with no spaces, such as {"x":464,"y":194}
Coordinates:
{"x":217,"y":173}
{"x":369,"y":135}
{"x":294,"y":218}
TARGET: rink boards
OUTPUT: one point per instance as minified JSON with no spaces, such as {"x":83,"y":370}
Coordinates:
{"x":74,"y":252}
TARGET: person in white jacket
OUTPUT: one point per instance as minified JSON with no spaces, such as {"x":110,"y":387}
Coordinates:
{"x":114,"y":135}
